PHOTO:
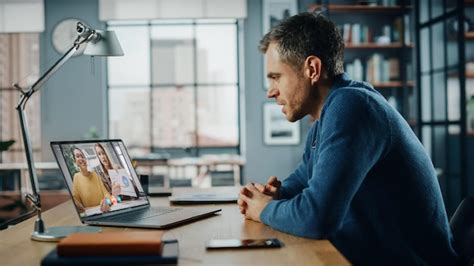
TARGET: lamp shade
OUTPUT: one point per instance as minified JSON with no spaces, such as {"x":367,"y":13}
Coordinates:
{"x":106,"y":45}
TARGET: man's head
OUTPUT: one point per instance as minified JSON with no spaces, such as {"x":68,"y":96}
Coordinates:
{"x":302,"y":52}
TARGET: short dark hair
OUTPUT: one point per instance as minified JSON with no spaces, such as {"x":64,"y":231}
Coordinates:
{"x":307,"y":34}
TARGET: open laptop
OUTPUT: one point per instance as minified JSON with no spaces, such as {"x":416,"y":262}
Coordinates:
{"x":99,"y":171}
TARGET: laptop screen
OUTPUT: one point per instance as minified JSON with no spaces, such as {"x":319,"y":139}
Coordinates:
{"x":99,"y":176}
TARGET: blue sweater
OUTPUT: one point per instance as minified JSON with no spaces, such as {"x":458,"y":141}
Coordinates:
{"x":366,"y":184}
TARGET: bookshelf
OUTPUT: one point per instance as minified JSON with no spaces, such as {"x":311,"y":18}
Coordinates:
{"x":360,"y":8}
{"x":378,"y":47}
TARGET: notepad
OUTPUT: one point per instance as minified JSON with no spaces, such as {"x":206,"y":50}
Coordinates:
{"x":123,"y":243}
{"x":169,"y":256}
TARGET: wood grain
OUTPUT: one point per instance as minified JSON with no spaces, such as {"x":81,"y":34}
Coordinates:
{"x":16,"y":248}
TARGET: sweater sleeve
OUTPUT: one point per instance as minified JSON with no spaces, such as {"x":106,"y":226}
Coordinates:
{"x":354,"y":135}
{"x":298,"y":180}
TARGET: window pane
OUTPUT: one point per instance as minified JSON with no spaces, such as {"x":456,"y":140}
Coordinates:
{"x":439,"y":154}
{"x":133,"y":68}
{"x":172,"y":54}
{"x":439,"y":96}
{"x":129,"y":118}
{"x":451,"y":5}
{"x":453,"y":96}
{"x":426,"y":135}
{"x":437,"y":41}
{"x":217,"y":116}
{"x":424,"y":8}
{"x":426,"y":99}
{"x":436,"y":8}
{"x":439,"y":146}
{"x":452,"y":47}
{"x":425,"y":49}
{"x":216,"y":53}
{"x":173,"y":117}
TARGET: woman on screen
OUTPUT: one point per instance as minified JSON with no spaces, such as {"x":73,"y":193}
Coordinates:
{"x":88,"y":189}
{"x":107,"y":166}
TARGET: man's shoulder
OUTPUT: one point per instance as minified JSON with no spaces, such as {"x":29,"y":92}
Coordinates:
{"x":357,"y":91}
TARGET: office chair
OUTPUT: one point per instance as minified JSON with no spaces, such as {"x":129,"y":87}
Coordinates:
{"x":462,"y":227}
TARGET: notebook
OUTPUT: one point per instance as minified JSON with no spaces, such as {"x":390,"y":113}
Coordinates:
{"x":169,"y":256}
{"x":106,"y":190}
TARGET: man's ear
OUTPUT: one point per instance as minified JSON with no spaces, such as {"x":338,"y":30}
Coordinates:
{"x":313,"y":68}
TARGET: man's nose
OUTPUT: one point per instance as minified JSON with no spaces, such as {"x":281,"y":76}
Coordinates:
{"x":272,"y":92}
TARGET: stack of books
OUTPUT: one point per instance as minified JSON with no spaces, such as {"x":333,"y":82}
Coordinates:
{"x":114,"y":248}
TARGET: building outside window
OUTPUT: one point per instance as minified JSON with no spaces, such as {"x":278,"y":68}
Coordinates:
{"x":19,"y":63}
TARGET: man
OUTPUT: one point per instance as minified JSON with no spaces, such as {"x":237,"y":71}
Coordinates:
{"x":365,"y":181}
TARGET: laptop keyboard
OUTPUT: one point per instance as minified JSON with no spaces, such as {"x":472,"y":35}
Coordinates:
{"x":140,"y":215}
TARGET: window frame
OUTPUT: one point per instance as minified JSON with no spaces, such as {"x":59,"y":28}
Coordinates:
{"x":196,"y":150}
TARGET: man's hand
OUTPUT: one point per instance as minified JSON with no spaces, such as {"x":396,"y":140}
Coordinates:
{"x":272,"y":188}
{"x":252,"y":202}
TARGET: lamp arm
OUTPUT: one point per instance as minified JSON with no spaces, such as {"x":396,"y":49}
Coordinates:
{"x":35,"y":196}
{"x":38,"y":84}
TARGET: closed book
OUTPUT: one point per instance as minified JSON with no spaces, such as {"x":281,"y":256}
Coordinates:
{"x":169,"y":256}
{"x":123,"y":243}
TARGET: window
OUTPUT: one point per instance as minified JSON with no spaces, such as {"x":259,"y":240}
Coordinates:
{"x":176,"y":88}
{"x":19,"y":63}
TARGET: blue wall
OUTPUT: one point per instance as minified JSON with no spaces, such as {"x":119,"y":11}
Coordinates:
{"x":73,"y":100}
{"x":262,"y":161}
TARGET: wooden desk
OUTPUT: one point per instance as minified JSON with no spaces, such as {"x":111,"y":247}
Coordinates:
{"x":16,"y":248}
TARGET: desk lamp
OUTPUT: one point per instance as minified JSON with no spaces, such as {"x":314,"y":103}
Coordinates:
{"x":100,"y":43}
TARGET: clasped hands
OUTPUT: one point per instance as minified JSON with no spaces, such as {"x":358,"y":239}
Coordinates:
{"x":254,"y":197}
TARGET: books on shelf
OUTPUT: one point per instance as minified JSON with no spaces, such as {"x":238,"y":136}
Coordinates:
{"x":377,"y":69}
{"x":397,"y":32}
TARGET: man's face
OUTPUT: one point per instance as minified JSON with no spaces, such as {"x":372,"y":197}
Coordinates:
{"x":289,"y":87}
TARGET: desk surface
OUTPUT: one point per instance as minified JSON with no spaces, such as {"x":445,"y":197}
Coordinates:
{"x":16,"y":248}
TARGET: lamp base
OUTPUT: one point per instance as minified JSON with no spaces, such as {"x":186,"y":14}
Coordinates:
{"x":54,"y":234}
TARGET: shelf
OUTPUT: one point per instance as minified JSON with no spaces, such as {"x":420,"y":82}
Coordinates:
{"x":361,"y":9}
{"x":377,"y":46}
{"x":392,"y":84}
{"x":469,"y":35}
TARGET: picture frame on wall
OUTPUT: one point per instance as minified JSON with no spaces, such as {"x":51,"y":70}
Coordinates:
{"x":273,"y":12}
{"x":276,"y":128}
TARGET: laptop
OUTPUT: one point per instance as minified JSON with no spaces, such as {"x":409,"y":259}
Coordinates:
{"x":106,"y":190}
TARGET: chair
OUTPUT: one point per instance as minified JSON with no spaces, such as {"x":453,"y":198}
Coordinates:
{"x":462,"y":227}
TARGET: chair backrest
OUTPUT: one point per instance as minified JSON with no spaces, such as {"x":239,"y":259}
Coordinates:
{"x":462,"y":227}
